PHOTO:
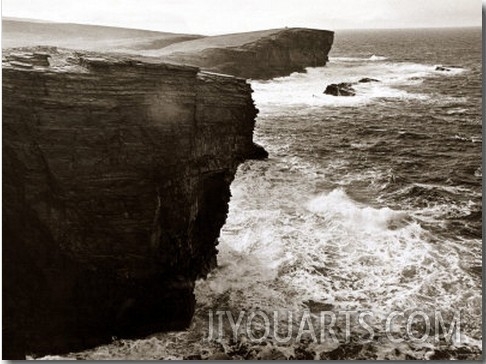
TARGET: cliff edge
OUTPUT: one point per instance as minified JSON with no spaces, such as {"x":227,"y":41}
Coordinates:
{"x":257,"y":55}
{"x":116,"y":182}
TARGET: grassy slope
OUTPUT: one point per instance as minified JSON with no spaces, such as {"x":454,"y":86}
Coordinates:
{"x":20,"y":33}
{"x":234,"y":40}
{"x":226,"y":40}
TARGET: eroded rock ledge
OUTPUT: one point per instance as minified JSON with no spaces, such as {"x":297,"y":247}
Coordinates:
{"x":116,"y":182}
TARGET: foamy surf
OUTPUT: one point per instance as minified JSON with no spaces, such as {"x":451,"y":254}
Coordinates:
{"x":372,"y":58}
{"x":336,"y":205}
{"x":377,"y":58}
{"x":398,"y":81}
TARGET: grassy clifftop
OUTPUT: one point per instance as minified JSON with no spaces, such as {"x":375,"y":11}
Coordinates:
{"x":259,"y":54}
{"x":24,"y":33}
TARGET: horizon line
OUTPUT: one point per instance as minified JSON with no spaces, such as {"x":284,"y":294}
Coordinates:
{"x":46,"y":21}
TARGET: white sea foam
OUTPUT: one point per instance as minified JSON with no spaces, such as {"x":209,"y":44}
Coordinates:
{"x":347,"y":59}
{"x":457,"y":111}
{"x":337,"y":205}
{"x":449,"y":189}
{"x":333,"y":249}
{"x":372,"y":58}
{"x":377,"y":58}
{"x":306,"y":89}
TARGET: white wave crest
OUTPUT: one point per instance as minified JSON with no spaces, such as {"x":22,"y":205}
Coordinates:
{"x":358,"y":59}
{"x":377,"y":58}
{"x":338,"y":206}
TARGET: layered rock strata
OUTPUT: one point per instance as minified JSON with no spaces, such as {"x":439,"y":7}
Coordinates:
{"x":261,"y":54}
{"x":116,"y":182}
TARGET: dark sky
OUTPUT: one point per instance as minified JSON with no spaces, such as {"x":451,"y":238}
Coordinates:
{"x":224,"y":16}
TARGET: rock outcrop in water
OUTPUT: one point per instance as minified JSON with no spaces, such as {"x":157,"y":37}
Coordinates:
{"x":340,"y":89}
{"x":443,"y":69}
{"x":346,"y":88}
{"x":368,"y":80}
{"x":256,"y":55}
{"x":116,"y":182}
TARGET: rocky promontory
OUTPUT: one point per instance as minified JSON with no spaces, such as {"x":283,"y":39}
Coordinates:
{"x":257,"y":55}
{"x":262,"y":54}
{"x":116,"y":182}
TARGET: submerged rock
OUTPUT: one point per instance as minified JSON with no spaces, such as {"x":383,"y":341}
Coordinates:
{"x":442,"y":69}
{"x":368,"y":80}
{"x":340,"y":89}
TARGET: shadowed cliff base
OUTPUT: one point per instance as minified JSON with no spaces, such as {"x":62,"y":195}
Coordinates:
{"x":116,"y":183}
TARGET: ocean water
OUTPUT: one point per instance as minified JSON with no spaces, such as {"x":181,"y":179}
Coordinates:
{"x":367,"y":203}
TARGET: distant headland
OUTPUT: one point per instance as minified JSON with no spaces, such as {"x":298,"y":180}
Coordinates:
{"x":260,"y":54}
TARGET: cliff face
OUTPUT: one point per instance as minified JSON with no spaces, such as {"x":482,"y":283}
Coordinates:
{"x":116,"y":182}
{"x":256,"y":55}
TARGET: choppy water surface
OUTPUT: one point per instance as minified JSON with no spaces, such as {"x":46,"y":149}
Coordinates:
{"x":370,"y":202}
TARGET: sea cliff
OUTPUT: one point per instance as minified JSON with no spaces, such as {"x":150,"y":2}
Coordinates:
{"x":116,"y":182}
{"x":257,"y":55}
